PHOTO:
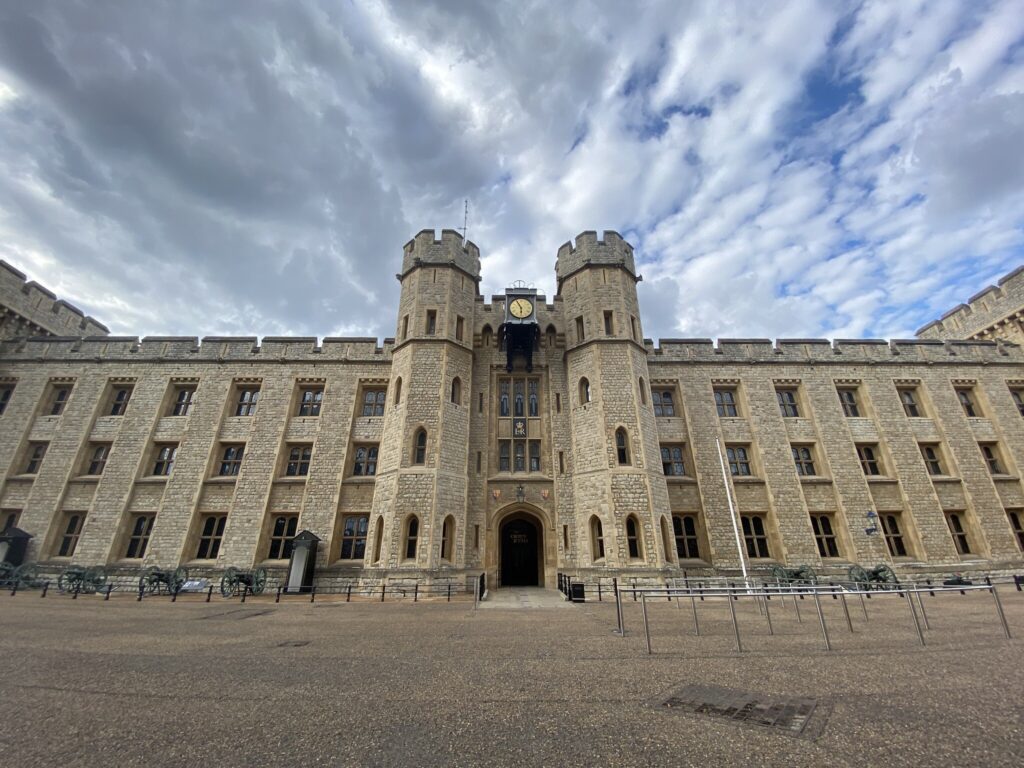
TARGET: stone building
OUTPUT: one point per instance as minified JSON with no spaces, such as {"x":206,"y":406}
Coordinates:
{"x":517,"y":437}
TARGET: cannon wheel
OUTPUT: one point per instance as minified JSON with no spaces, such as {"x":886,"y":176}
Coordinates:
{"x":885,"y":574}
{"x":95,"y":578}
{"x":259,"y":581}
{"x":858,"y":575}
{"x":26,"y":575}
{"x":806,"y":574}
{"x":65,"y":582}
{"x":148,"y":581}
{"x":6,"y":571}
{"x":779,"y":574}
{"x":178,"y":578}
{"x":228,"y":581}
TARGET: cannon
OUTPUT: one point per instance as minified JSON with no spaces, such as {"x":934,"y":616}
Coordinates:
{"x":23,"y":576}
{"x":78,"y":578}
{"x":879,"y":575}
{"x":802,"y":574}
{"x":154,"y":580}
{"x":235,"y":579}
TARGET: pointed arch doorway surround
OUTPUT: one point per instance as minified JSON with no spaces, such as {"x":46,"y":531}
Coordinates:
{"x":521,"y":550}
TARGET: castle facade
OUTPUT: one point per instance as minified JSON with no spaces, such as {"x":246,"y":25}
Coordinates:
{"x":518,"y":438}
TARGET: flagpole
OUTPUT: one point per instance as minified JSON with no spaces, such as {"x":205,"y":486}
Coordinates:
{"x":732,"y":514}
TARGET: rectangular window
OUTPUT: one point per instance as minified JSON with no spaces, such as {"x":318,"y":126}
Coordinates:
{"x":565,"y":538}
{"x":476,"y":537}
{"x":1016,"y":394}
{"x":119,"y":397}
{"x":1016,"y":517}
{"x":908,"y":396}
{"x":580,"y":334}
{"x":803,"y":458}
{"x":739,"y":460}
{"x":561,"y":463}
{"x":298,"y":460}
{"x":139,"y":533}
{"x":460,"y":325}
{"x":824,"y":535}
{"x":246,"y":398}
{"x":479,"y":461}
{"x":893,"y":531}
{"x":633,"y":329}
{"x":504,"y":448}
{"x":59,"y":396}
{"x":70,"y":531}
{"x":519,"y":450}
{"x":36,"y":453}
{"x":848,"y":399}
{"x":990,"y":451}
{"x":405,"y":327}
{"x":535,"y":455}
{"x":870,"y":459}
{"x":932,"y":455}
{"x":609,"y":323}
{"x":310,"y":400}
{"x":725,"y":401}
{"x":673,"y":461}
{"x":664,"y":402}
{"x":373,"y":401}
{"x":365,"y":462}
{"x":183,"y":396}
{"x":755,"y":535}
{"x":97,"y":458}
{"x":787,"y":403}
{"x":958,"y":530}
{"x":480,"y":403}
{"x":281,"y":535}
{"x":967,"y":401}
{"x":211,"y":534}
{"x":231,"y":460}
{"x":558,"y":402}
{"x":431,"y":328}
{"x":684,"y":528}
{"x":6,"y":391}
{"x":163,"y":458}
{"x":353,"y":537}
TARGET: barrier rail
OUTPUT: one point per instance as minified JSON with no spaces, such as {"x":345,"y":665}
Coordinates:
{"x":763,"y":595}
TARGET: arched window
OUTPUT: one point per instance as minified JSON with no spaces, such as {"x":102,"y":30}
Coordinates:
{"x":457,"y":391}
{"x":643,"y":392}
{"x":448,"y":539}
{"x":486,"y":336}
{"x":398,"y":390}
{"x":503,"y":399}
{"x":419,"y":447}
{"x":636,"y":548}
{"x":534,"y":401}
{"x":596,"y":538}
{"x":412,"y":534}
{"x":622,"y":445}
{"x":666,"y":539}
{"x":584,"y":391}
{"x":378,"y":539}
{"x":551,"y":336}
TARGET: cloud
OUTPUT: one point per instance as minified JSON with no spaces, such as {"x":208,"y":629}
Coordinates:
{"x":803,"y":169}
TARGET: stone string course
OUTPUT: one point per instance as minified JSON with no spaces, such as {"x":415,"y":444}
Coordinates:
{"x":580,"y":482}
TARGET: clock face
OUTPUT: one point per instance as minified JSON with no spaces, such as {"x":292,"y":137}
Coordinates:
{"x":520,"y":308}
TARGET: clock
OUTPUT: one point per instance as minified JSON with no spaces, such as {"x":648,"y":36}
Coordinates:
{"x":520,"y":308}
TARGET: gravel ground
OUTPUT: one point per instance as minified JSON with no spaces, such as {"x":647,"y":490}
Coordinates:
{"x":93,"y":683}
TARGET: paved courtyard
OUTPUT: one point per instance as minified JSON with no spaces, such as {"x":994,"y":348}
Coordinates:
{"x":525,"y":681}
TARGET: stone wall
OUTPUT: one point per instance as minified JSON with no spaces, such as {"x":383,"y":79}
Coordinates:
{"x":997,"y":312}
{"x":29,"y":309}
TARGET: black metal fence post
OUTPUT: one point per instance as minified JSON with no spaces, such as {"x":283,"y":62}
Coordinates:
{"x":209,"y":593}
{"x":46,"y":586}
{"x":106,"y":597}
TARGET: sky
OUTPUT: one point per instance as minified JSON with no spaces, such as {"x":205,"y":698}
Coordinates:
{"x":803,"y":169}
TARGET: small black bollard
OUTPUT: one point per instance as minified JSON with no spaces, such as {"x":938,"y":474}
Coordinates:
{"x":449,"y":592}
{"x":383,"y":589}
{"x":1018,"y":581}
{"x":416,"y":592}
{"x":832,"y":586}
{"x":277,"y":599}
{"x":142,"y":590}
{"x":74,"y":595}
{"x":14,"y":587}
{"x":46,"y":586}
{"x":106,"y":597}
{"x":209,"y":593}
{"x":348,"y":594}
{"x":599,"y":596}
{"x":312,"y":593}
{"x":931,"y":592}
{"x":245,"y":590}
{"x":174,"y":594}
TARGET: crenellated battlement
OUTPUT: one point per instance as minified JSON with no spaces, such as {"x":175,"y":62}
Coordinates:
{"x":610,"y":250}
{"x":839,"y":351}
{"x":214,"y":349}
{"x":985,"y":314}
{"x":28,"y":308}
{"x":450,"y":248}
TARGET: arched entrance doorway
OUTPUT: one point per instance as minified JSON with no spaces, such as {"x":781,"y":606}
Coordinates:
{"x":521,"y":551}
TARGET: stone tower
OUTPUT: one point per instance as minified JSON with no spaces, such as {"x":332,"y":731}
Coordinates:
{"x":421,"y":484}
{"x":618,"y":484}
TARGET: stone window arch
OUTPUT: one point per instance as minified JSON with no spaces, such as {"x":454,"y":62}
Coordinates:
{"x":622,"y":445}
{"x":411,"y":537}
{"x":596,"y":539}
{"x":486,"y":336}
{"x":551,"y":336}
{"x":457,"y":390}
{"x":584,"y":390}
{"x":643,"y":391}
{"x":398,"y":390}
{"x":419,"y":447}
{"x":633,"y":539}
{"x":448,"y":539}
{"x":666,"y":539}
{"x":378,"y":538}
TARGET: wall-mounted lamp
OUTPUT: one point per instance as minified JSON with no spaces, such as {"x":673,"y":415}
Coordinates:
{"x":872,"y":517}
{"x":520,"y":493}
